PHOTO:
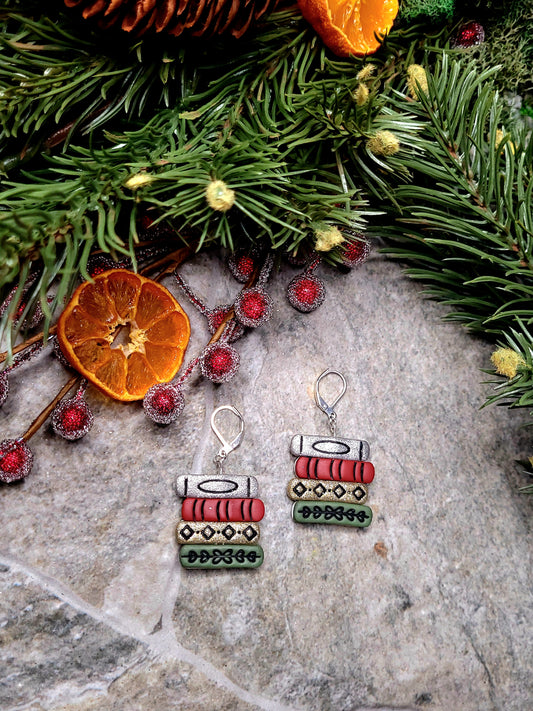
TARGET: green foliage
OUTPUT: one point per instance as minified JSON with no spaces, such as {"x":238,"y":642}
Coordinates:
{"x":277,"y":121}
{"x":91,"y":139}
{"x":510,"y":46}
{"x":508,"y":41}
{"x":434,"y":10}
{"x":465,"y":221}
{"x":517,"y":391}
{"x":55,"y":78}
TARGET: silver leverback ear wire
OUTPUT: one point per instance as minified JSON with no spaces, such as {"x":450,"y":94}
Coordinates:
{"x":227,"y":447}
{"x":329,"y":410}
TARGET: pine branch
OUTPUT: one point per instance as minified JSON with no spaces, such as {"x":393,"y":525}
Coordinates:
{"x":465,"y":221}
{"x":469,"y":205}
{"x":277,"y":123}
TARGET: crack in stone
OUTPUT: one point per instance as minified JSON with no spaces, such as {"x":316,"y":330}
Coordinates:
{"x":481,"y":660}
{"x":162,"y":643}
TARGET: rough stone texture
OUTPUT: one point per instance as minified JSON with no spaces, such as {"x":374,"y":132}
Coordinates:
{"x":430,"y":607}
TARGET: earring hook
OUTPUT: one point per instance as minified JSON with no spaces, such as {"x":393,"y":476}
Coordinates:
{"x":227,"y":447}
{"x":329,"y":410}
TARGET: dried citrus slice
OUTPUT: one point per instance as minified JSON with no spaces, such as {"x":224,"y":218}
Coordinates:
{"x":350,"y":26}
{"x":124,"y":333}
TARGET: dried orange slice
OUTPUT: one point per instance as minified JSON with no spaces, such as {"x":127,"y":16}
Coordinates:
{"x":350,"y":26}
{"x":124,"y":333}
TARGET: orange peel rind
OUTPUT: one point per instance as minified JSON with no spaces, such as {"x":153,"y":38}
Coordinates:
{"x":350,"y":27}
{"x":124,"y":333}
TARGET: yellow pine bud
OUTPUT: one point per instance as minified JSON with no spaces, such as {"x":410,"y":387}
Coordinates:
{"x":327,"y":238}
{"x":361,"y":94}
{"x":366,"y":72}
{"x":138,"y":180}
{"x":383,"y":143}
{"x":417,"y":80}
{"x":506,"y":361}
{"x":500,"y":135}
{"x":219,"y":196}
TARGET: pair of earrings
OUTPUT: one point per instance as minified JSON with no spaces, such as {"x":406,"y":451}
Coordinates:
{"x":220,"y":513}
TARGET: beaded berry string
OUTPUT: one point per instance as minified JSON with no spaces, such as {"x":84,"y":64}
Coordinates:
{"x":219,"y":361}
{"x":306,"y":292}
{"x":213,"y":316}
{"x":16,"y":458}
{"x":72,"y":419}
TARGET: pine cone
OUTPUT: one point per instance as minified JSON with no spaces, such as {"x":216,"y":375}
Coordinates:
{"x":197,"y":17}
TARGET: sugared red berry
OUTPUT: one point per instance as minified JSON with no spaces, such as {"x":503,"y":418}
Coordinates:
{"x":354,"y":252}
{"x":469,"y":35}
{"x":241,"y":266}
{"x":306,"y":292}
{"x":219,"y":362}
{"x":72,"y":419}
{"x":253,"y":307}
{"x":16,"y":460}
{"x":163,"y":403}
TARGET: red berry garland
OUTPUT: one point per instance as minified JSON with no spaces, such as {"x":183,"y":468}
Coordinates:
{"x":219,"y":362}
{"x":242,"y":266}
{"x":72,"y":419}
{"x":469,"y":35}
{"x":4,"y":387}
{"x":253,"y":307}
{"x":354,"y":252}
{"x":163,"y":403}
{"x":16,"y":460}
{"x":306,"y":292}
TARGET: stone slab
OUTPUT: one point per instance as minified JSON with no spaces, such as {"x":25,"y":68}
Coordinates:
{"x":435,"y":598}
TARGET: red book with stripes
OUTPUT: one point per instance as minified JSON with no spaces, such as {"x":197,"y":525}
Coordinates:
{"x":222,"y":509}
{"x":334,"y":469}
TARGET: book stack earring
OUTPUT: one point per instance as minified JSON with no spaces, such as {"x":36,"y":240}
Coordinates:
{"x":332,"y":474}
{"x":219,"y":514}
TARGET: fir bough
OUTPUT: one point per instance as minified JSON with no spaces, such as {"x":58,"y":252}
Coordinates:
{"x":296,"y":137}
{"x":278,"y":123}
{"x":464,"y":223}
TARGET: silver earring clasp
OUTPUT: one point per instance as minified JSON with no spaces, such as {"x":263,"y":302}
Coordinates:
{"x":329,"y":410}
{"x":227,"y":446}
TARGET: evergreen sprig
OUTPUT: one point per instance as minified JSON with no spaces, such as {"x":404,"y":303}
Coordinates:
{"x":277,"y":122}
{"x":465,"y":220}
{"x":517,"y":390}
{"x":92,"y":138}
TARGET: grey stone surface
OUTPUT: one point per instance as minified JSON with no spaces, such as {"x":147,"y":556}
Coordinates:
{"x":430,"y":607}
